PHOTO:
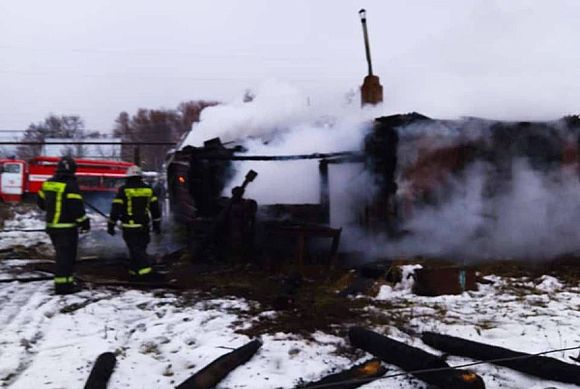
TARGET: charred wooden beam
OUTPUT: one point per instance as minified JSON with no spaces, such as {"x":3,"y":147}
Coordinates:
{"x":324,"y":189}
{"x":278,"y":157}
{"x":212,"y":374}
{"x":352,"y":378}
{"x":101,"y":371}
{"x":414,"y":360}
{"x":538,"y":366}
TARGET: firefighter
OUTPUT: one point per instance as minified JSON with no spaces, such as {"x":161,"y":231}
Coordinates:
{"x":132,"y":205}
{"x":65,"y":214}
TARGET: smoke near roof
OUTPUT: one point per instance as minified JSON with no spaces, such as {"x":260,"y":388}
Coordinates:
{"x":513,"y":203}
{"x":281,"y":121}
{"x":534,"y":217}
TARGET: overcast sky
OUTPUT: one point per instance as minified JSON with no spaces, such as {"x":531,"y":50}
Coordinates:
{"x":444,"y":58}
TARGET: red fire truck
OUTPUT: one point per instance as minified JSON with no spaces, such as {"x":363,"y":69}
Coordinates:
{"x":19,"y":178}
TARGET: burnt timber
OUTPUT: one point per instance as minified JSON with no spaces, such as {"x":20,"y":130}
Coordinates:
{"x":538,"y":366}
{"x":212,"y":374}
{"x":413,"y":359}
{"x":101,"y":371}
{"x":352,"y":378}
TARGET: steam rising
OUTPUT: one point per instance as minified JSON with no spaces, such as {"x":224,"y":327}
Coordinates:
{"x":535,"y":217}
{"x":281,"y":121}
{"x":528,"y":213}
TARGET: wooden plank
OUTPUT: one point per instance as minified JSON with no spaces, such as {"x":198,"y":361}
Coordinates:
{"x":537,"y":366}
{"x":212,"y":374}
{"x":101,"y":372}
{"x":352,"y":378}
{"x":413,"y":359}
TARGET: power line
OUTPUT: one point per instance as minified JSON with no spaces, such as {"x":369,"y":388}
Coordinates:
{"x":163,"y":52}
{"x":90,"y":143}
{"x":450,"y":368}
{"x":243,"y":78}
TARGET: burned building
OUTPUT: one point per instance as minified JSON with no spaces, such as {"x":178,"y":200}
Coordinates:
{"x":413,"y":160}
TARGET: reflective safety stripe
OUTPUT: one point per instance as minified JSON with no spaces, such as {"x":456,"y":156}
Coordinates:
{"x":154,"y":198}
{"x":141,"y":272}
{"x":58,"y":188}
{"x":130,"y":206}
{"x":53,"y":186}
{"x":74,"y":196}
{"x":145,"y":270}
{"x":61,"y":225}
{"x":82,"y":219}
{"x":157,"y":220}
{"x":136,"y":192}
{"x":125,"y":225}
{"x":58,"y":209}
{"x":41,"y":194}
{"x":63,"y":280}
{"x":117,"y":201}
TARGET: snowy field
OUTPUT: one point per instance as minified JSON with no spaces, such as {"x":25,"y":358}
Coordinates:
{"x":160,"y":339}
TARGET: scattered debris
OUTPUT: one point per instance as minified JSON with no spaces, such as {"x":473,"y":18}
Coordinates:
{"x":212,"y":374}
{"x":101,"y":372}
{"x":436,"y":281}
{"x":538,"y":366}
{"x":352,"y":378}
{"x":427,"y":367}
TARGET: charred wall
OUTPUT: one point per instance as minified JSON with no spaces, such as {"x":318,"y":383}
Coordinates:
{"x":196,"y":179}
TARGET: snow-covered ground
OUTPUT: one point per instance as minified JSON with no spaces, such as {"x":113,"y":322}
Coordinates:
{"x":162,"y":338}
{"x":23,"y":221}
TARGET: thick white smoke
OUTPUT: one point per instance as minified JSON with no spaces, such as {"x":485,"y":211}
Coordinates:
{"x":536,"y":218}
{"x":281,"y":120}
{"x":532,"y":214}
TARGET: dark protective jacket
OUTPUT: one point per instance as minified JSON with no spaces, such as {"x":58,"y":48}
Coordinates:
{"x":133,"y":203}
{"x":60,"y":197}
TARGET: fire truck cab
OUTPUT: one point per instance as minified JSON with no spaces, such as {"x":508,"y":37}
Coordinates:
{"x":19,"y":178}
{"x":11,"y":179}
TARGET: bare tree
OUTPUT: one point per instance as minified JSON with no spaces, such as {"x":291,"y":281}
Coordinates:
{"x":6,"y":153}
{"x":161,"y":125}
{"x":69,"y":127}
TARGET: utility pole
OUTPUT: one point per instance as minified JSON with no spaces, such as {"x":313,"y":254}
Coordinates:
{"x":371,"y":90}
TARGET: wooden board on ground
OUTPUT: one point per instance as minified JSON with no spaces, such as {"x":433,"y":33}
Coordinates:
{"x":101,"y":372}
{"x":89,"y":279}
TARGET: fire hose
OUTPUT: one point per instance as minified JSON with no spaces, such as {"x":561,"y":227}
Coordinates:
{"x":91,"y":206}
{"x":97,"y":210}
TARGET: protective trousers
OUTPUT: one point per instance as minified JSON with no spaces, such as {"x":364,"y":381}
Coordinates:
{"x":137,"y":240}
{"x":65,"y":242}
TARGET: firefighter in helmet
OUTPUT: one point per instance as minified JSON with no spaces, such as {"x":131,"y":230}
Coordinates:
{"x":65,"y":214}
{"x":133,"y":205}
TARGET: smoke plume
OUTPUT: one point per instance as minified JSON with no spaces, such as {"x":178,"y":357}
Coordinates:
{"x":523,"y":212}
{"x":534,"y":216}
{"x":281,"y":120}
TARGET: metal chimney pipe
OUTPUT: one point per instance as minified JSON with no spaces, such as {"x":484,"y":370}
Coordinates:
{"x":363,"y":18}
